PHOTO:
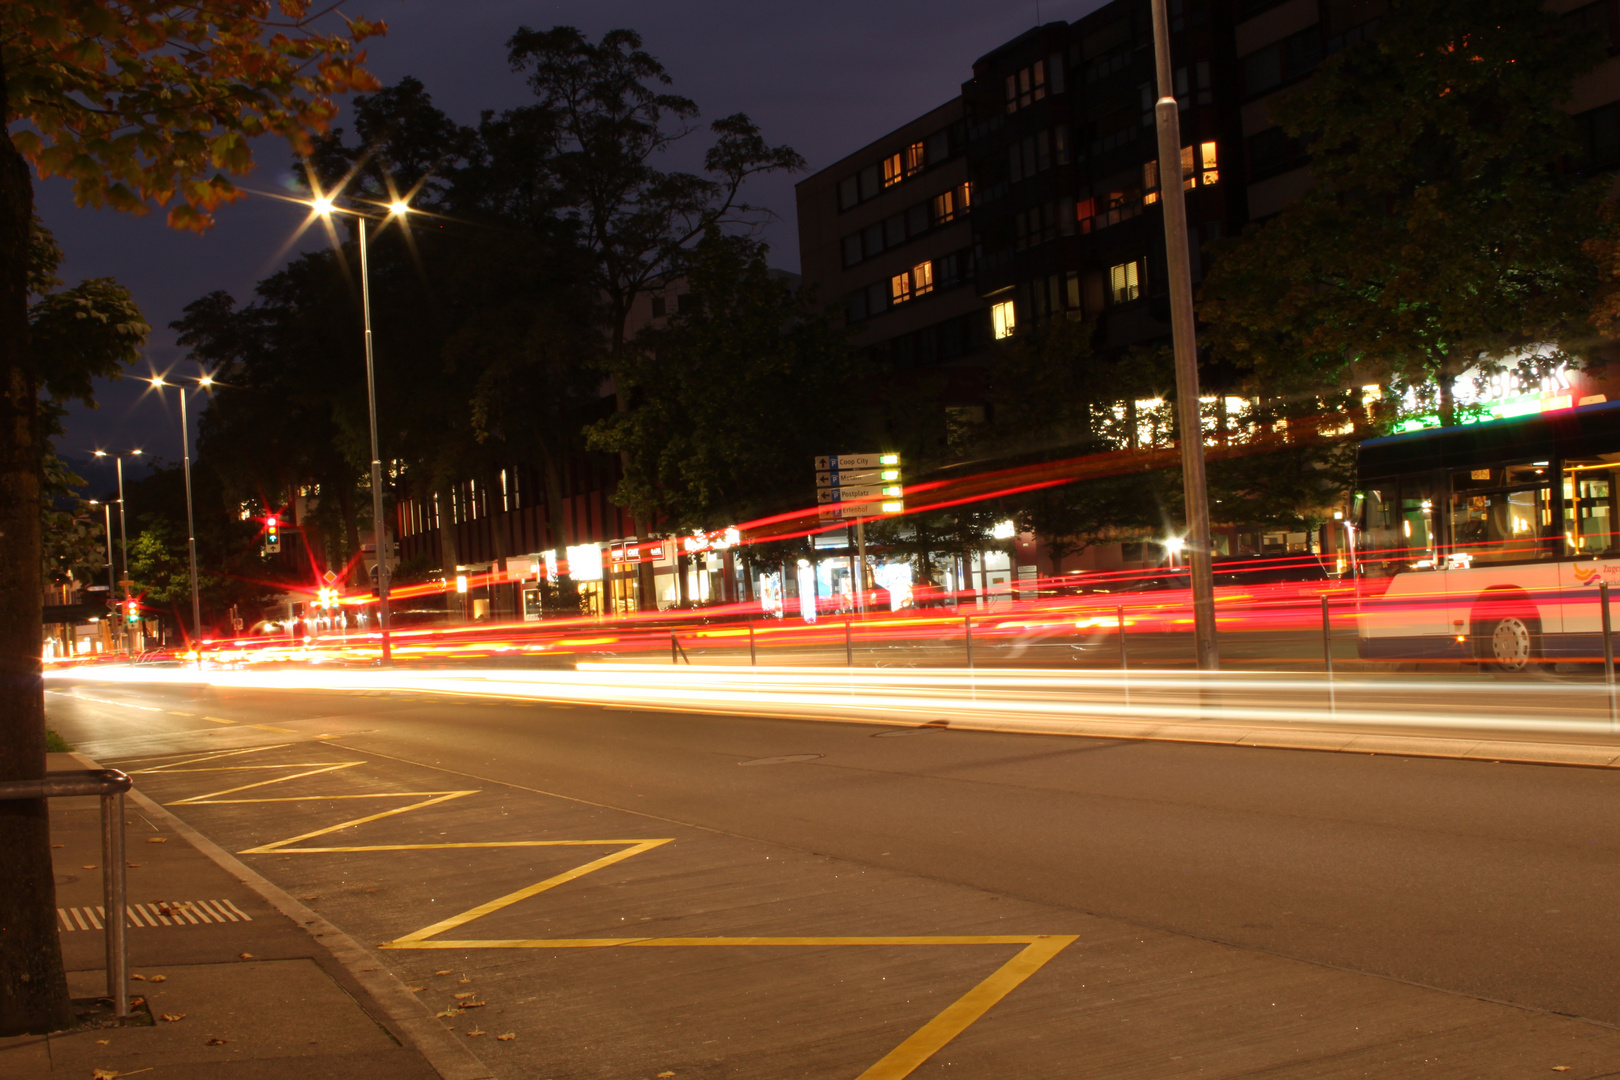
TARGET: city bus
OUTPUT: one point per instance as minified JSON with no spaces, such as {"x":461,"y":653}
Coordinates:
{"x":1484,"y":543}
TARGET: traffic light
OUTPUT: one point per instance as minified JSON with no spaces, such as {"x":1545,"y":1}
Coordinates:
{"x":132,"y":612}
{"x":272,"y":535}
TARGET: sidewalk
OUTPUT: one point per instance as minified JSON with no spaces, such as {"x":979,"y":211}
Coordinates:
{"x":235,"y":987}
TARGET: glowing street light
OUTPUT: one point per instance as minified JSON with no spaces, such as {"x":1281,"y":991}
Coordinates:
{"x":205,"y":381}
{"x":325,"y":207}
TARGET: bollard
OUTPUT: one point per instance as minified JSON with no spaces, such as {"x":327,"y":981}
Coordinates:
{"x":674,"y":646}
{"x":1327,"y":655}
{"x":753,"y":657}
{"x":1608,"y":654}
{"x":110,"y":784}
{"x":849,"y":644}
{"x":967,"y":636}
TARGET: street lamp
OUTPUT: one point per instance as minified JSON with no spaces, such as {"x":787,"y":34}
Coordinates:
{"x":106,"y":511}
{"x":325,"y":208}
{"x":123,"y":529}
{"x":204,"y":381}
{"x":1167,"y":111}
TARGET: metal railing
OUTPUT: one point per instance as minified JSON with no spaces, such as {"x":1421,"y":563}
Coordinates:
{"x":110,"y":784}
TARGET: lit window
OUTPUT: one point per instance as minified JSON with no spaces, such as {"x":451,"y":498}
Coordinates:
{"x":1212,"y":172}
{"x":1189,"y":169}
{"x":944,"y":207}
{"x":922,"y":278}
{"x":900,"y":288}
{"x":1084,"y":211}
{"x":1003,"y":319}
{"x":1150,"y":182}
{"x":892,"y":173}
{"x":1124,"y":282}
{"x":916,"y":158}
{"x":964,"y":196}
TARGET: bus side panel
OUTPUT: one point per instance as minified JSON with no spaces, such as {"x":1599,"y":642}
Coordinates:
{"x":1476,"y":590}
{"x":1408,"y":621}
{"x":1583,"y":622}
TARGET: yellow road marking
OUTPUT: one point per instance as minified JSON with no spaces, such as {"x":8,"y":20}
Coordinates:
{"x":218,"y":720}
{"x":280,"y":845}
{"x":262,"y":783}
{"x":636,"y":848}
{"x":928,"y":1039}
{"x":896,"y":1065}
{"x":173,"y":712}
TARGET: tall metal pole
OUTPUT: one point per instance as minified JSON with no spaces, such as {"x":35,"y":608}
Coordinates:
{"x":191,"y":529}
{"x":1173,"y":198}
{"x":112,"y":587}
{"x":379,"y":533}
{"x":123,"y":548}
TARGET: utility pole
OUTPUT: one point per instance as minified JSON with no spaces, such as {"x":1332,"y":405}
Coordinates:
{"x":1173,"y":199}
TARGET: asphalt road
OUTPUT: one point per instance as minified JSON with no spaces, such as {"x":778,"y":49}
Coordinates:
{"x":1239,"y":911}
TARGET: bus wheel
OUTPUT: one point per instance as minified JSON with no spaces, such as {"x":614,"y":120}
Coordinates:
{"x":1512,"y":643}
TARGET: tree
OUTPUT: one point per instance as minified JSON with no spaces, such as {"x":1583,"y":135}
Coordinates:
{"x":1441,"y":230}
{"x":137,"y":102}
{"x":730,"y":402}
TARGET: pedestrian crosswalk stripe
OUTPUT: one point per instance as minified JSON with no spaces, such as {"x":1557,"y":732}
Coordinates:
{"x":157,"y":913}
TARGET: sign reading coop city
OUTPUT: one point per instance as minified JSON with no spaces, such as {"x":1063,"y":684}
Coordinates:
{"x":858,"y":486}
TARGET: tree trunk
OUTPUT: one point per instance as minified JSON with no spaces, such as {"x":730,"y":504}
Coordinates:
{"x":567,"y":591}
{"x":1448,"y":397}
{"x":33,"y":988}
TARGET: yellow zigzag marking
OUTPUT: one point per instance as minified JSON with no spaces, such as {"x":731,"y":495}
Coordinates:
{"x":897,"y":1064}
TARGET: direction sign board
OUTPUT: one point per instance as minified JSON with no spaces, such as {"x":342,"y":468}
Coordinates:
{"x":841,"y":477}
{"x":863,"y":493}
{"x":856,"y":461}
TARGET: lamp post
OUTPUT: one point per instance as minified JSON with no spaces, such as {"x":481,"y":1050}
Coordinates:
{"x":106,"y":512}
{"x":1184,"y":334}
{"x":325,"y":207}
{"x":123,"y":529}
{"x":205,"y":381}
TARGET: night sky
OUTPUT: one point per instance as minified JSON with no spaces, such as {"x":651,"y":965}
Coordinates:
{"x":824,"y":77}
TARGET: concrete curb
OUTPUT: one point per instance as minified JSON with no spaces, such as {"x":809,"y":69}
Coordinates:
{"x":405,"y":1010}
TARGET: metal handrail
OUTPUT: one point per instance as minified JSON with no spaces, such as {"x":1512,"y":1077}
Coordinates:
{"x":110,"y":785}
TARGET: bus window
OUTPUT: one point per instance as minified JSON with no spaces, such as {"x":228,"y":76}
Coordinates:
{"x":1591,"y":489}
{"x":1417,"y":520}
{"x":1379,"y":531}
{"x":1502,"y":514}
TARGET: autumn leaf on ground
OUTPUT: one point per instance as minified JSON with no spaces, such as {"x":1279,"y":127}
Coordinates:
{"x":507,"y":1037}
{"x":468,"y":994}
{"x":416,"y":989}
{"x":133,"y":865}
{"x":464,"y":980}
{"x":138,"y":978}
{"x":665,"y":1075}
{"x":1560,"y":1068}
{"x":103,"y":1042}
{"x":244,"y":956}
{"x":311,"y":898}
{"x":472,"y":1005}
{"x":158,"y":978}
{"x":447,"y":1012}
{"x":173,"y":1017}
{"x":157,"y":839}
{"x":92,"y":866}
{"x":58,"y":845}
{"x":477,"y":1032}
{"x":215,"y":1041}
{"x":445,"y":972}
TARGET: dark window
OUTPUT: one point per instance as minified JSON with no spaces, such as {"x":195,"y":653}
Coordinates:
{"x":1289,"y":59}
{"x":1273,"y":152}
{"x":939,"y":146}
{"x":871,"y":181}
{"x":894,"y":231}
{"x":657,"y":306}
{"x":849,"y":192}
{"x":917,"y":220}
{"x":872,"y":240}
{"x":855,"y":306}
{"x":1598,"y":132}
{"x":852,"y":249}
